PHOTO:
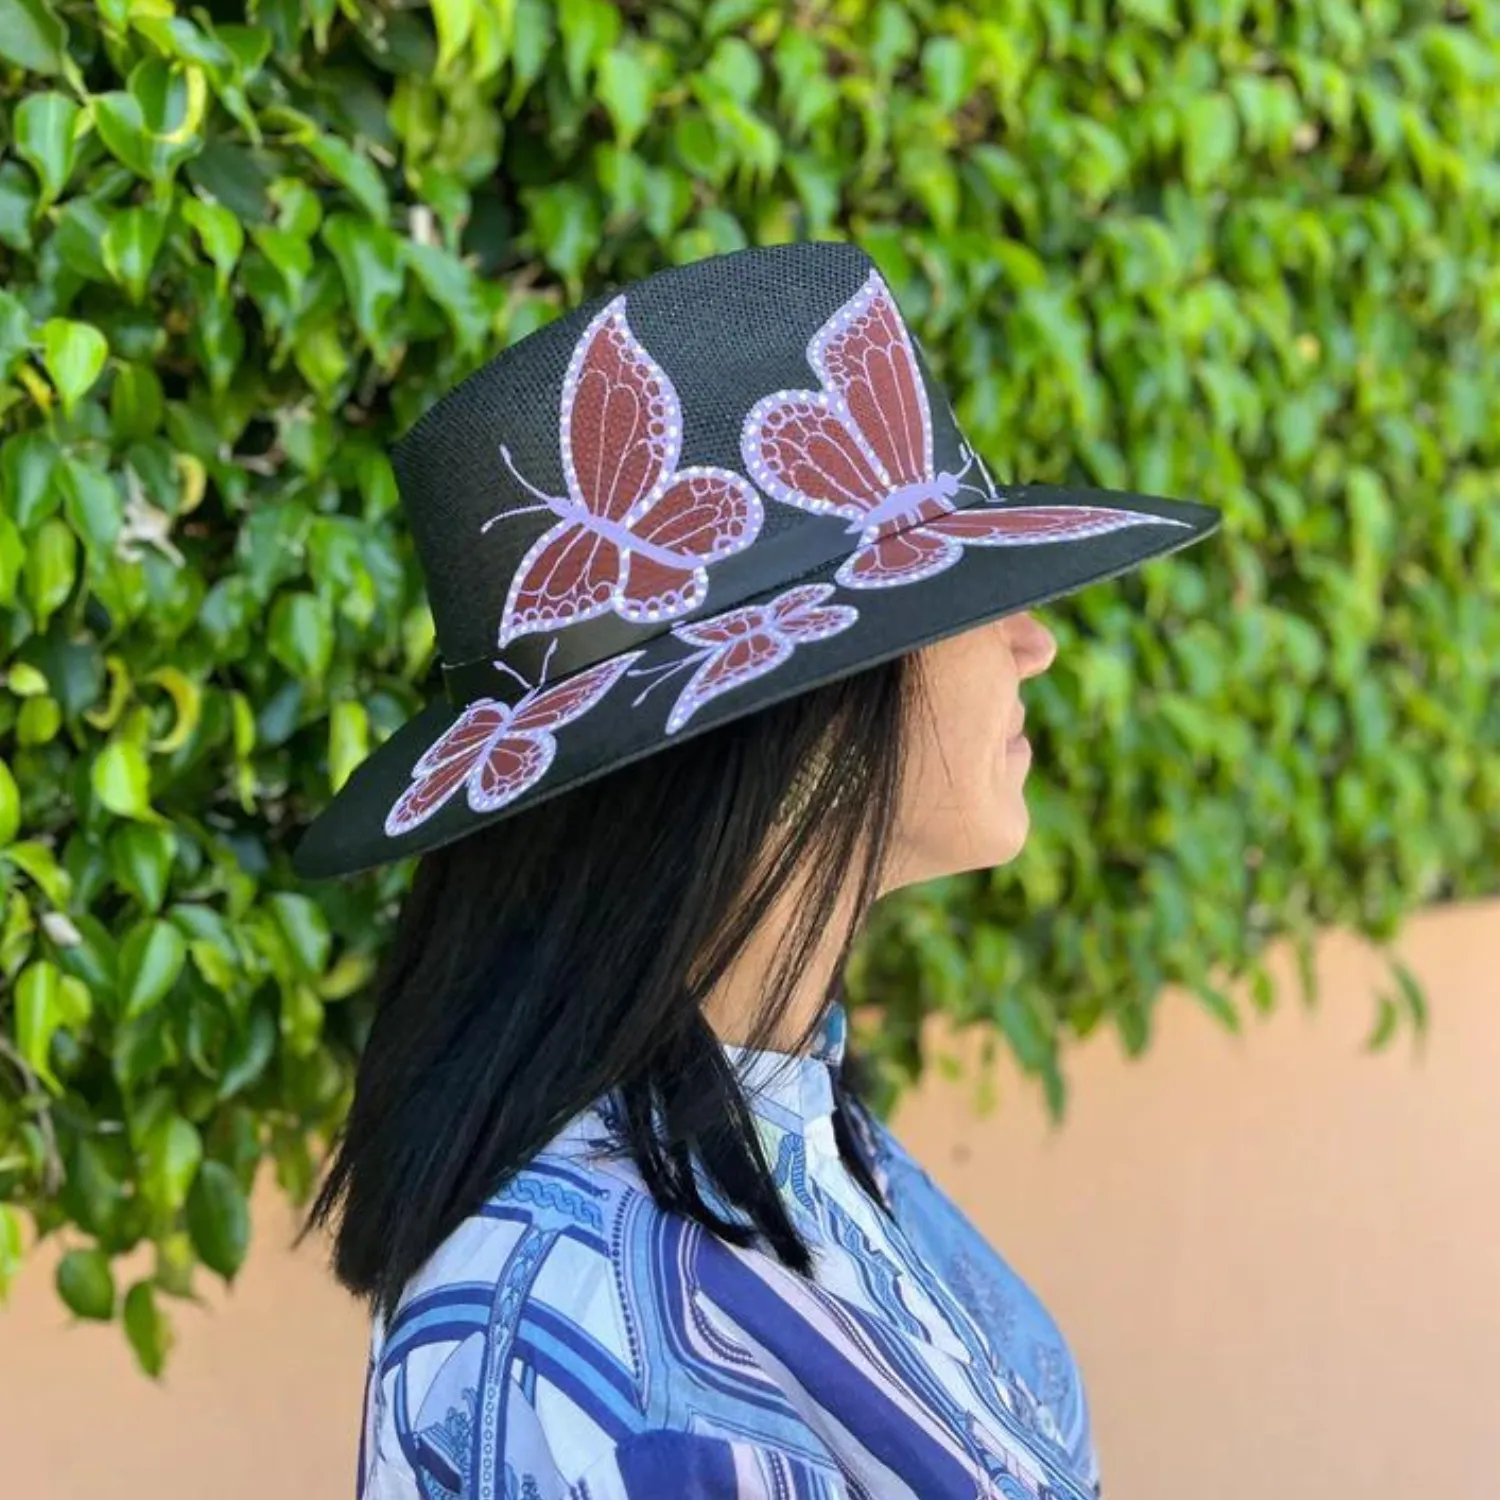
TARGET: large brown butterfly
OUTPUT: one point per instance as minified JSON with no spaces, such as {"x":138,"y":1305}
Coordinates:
{"x":861,"y":448}
{"x":634,"y":533}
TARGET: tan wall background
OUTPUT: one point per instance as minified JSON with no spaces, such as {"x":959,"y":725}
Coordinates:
{"x":1278,"y":1260}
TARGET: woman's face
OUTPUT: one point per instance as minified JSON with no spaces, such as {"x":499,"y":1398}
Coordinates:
{"x":963,"y":804}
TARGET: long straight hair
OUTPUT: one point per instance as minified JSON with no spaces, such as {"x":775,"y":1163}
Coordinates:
{"x":567,"y":951}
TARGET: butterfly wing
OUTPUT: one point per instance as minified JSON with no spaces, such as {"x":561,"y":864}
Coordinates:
{"x":621,"y":419}
{"x":798,"y":448}
{"x":729,"y":664}
{"x":621,"y":436}
{"x":801,"y":615}
{"x":547,"y":708}
{"x":514,"y":763}
{"x":519,"y":758}
{"x":864,"y":355}
{"x":446,"y":764}
{"x":568,"y":574}
{"x":704,"y":514}
{"x":902,"y":557}
{"x":725,"y":629}
{"x":1027,"y":525}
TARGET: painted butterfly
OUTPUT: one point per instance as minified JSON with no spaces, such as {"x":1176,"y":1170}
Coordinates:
{"x":861,"y":448}
{"x":634,"y":531}
{"x":497,"y":750}
{"x":745,"y":643}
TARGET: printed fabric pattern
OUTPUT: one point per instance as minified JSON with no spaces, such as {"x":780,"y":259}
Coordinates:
{"x":572,"y":1341}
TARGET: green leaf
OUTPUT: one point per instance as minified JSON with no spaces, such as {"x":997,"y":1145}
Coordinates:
{"x":248,"y":1054}
{"x":454,"y":20}
{"x":10,"y":806}
{"x":220,"y":233}
{"x":589,"y":29}
{"x":31,"y":36}
{"x":152,"y":127}
{"x":726,"y":15}
{"x":46,"y":138}
{"x":18,"y":202}
{"x":947,"y":68}
{"x":626,"y":88}
{"x":1210,"y":138}
{"x":74,"y":354}
{"x":1413,"y":997}
{"x":79,"y":237}
{"x":39,"y":1012}
{"x":301,"y":635}
{"x":151,"y":958}
{"x":565,"y":221}
{"x":136,"y":402}
{"x":86,"y":1284}
{"x":92,"y":505}
{"x":1218,"y":1005}
{"x":51,"y":569}
{"x":39,"y":862}
{"x":450,"y":283}
{"x":357,"y":173}
{"x":1387,"y":1019}
{"x":305,"y":930}
{"x":38,"y":722}
{"x":131,"y":244}
{"x":147,"y":1329}
{"x":122,"y":780}
{"x":10,"y":1247}
{"x":170,"y":1155}
{"x":140,"y":857}
{"x":369,"y":257}
{"x":27,"y":462}
{"x":218,"y":1219}
{"x":122,"y":128}
{"x":348,"y":746}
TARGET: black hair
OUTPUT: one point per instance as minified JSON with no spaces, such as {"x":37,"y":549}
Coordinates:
{"x":566,"y":951}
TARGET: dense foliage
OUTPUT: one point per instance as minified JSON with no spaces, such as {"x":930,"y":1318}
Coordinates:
{"x":1246,"y":251}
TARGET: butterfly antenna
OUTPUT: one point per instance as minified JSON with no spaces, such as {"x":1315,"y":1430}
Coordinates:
{"x":506,"y":667}
{"x":505,"y":515}
{"x":548,"y":501}
{"x":520,"y":478}
{"x":662,"y":673}
{"x":989,"y":492}
{"x":547,"y":659}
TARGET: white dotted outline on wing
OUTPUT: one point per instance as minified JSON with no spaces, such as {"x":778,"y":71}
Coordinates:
{"x":613,"y":312}
{"x":509,"y":620}
{"x":874,"y":286}
{"x":952,"y":551}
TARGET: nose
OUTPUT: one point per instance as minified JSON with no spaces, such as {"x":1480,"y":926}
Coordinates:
{"x":1033,"y":646}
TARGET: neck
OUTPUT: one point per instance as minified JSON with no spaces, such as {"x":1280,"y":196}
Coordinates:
{"x":734,"y":1005}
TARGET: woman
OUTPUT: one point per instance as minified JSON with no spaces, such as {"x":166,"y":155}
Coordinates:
{"x":626,"y":1227}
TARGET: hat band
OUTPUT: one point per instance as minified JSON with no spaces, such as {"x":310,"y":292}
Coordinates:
{"x":770,"y":562}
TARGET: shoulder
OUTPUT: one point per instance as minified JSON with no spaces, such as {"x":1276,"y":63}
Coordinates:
{"x":521,"y":1350}
{"x":1026,"y":1338}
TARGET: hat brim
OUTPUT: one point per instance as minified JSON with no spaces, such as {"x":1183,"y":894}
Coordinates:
{"x":986,"y":583}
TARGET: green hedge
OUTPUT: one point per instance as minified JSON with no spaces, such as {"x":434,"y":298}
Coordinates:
{"x":1241,"y":252}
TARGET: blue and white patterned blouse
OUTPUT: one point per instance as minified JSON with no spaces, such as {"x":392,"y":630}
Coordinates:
{"x":573,"y":1341}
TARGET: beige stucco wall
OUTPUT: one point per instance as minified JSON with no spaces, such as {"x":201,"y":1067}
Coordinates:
{"x":1278,"y":1260}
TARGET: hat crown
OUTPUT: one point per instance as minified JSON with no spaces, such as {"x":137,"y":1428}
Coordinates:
{"x":485,"y":473}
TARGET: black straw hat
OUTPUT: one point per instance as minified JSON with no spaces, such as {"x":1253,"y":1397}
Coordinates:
{"x":737,"y":479}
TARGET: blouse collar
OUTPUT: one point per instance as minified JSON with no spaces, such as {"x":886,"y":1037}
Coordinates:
{"x":793,"y":1090}
{"x":789,"y":1093}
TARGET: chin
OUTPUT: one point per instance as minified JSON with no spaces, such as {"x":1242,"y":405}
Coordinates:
{"x":1013,"y":834}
